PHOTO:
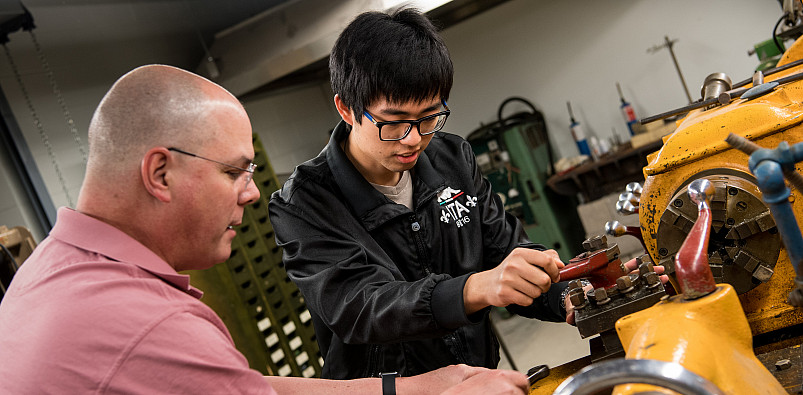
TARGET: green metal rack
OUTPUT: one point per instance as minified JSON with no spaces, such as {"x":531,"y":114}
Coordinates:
{"x":263,"y":310}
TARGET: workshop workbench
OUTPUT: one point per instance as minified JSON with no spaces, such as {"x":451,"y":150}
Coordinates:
{"x":595,"y":179}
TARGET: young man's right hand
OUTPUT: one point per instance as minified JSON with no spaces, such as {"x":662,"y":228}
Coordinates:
{"x":522,"y":276}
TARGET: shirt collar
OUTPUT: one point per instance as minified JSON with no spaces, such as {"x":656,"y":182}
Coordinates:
{"x":359,"y":193}
{"x":94,"y":235}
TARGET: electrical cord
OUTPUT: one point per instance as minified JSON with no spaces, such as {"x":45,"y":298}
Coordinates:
{"x":775,"y":33}
{"x":775,"y":29}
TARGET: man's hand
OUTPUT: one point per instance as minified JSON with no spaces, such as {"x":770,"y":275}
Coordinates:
{"x":448,"y":380}
{"x":464,"y":379}
{"x":492,"y":382}
{"x":631,"y":265}
{"x":524,"y":275}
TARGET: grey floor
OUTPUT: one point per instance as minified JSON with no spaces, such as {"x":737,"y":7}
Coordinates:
{"x":533,"y":342}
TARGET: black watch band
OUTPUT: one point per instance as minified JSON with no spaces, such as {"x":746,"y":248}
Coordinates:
{"x":389,"y":383}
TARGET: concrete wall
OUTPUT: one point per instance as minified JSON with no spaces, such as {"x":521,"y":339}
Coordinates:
{"x":551,"y":52}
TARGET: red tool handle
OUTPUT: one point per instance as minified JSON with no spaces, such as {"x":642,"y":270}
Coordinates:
{"x":596,"y":268}
{"x":691,"y":262}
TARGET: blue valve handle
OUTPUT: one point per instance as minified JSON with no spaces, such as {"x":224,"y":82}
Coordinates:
{"x":770,"y":167}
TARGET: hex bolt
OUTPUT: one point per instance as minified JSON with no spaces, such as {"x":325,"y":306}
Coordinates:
{"x":578,"y":300}
{"x":663,"y":252}
{"x":635,"y":279}
{"x":624,"y":284}
{"x":677,"y":203}
{"x":733,"y":191}
{"x":645,"y":268}
{"x":601,"y":296}
{"x":643,"y":258}
{"x":783,"y":364}
{"x":652,"y":279}
{"x":595,"y":243}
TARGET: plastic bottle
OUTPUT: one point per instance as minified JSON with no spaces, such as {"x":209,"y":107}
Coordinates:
{"x":578,"y":133}
{"x":627,"y":111}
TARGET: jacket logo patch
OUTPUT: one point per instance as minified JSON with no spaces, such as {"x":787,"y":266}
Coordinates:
{"x":452,"y":209}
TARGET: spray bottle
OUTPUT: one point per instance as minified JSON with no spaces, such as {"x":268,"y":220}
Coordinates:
{"x":578,"y":133}
{"x":627,"y":111}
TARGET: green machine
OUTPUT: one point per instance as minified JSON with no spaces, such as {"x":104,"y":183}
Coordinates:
{"x":514,"y":154}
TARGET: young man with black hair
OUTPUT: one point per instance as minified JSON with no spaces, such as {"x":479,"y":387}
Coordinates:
{"x":392,"y":234}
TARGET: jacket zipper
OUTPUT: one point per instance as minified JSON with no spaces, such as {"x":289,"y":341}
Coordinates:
{"x":450,"y":339}
{"x":373,"y":355}
{"x":419,"y":244}
{"x":456,"y":347}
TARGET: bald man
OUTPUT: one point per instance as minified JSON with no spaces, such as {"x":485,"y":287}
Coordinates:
{"x":100,"y":306}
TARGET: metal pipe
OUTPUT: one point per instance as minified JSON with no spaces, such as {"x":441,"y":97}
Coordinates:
{"x":733,"y":93}
{"x":769,"y":72}
{"x":604,"y":375}
{"x":775,"y":193}
{"x":780,"y":153}
{"x":771,"y":167}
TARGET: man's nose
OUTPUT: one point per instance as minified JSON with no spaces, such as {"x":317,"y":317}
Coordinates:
{"x":250,"y":195}
{"x":412,"y":138}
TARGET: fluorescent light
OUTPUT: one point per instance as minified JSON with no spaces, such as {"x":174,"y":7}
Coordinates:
{"x":423,"y":5}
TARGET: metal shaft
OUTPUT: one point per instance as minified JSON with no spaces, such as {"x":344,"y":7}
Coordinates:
{"x":749,"y":147}
{"x":669,"y":45}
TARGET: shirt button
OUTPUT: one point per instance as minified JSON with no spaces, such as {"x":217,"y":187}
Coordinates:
{"x":416,"y":227}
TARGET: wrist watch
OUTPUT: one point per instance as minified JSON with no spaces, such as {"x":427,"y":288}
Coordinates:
{"x":389,"y":383}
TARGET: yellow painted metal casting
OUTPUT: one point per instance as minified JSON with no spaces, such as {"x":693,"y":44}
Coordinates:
{"x":709,"y":336}
{"x":698,"y":148}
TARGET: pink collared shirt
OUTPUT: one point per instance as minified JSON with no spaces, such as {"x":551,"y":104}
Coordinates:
{"x":94,"y":311}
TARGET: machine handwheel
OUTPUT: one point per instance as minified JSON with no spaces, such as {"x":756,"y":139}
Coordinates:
{"x":605,"y":375}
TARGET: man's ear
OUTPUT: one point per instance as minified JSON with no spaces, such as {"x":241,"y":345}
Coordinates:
{"x":344,"y":111}
{"x":154,"y":171}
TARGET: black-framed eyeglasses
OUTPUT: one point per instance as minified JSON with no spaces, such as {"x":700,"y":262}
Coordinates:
{"x":398,"y":130}
{"x":249,"y":171}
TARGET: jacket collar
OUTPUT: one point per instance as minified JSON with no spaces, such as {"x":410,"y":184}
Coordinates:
{"x":363,"y":197}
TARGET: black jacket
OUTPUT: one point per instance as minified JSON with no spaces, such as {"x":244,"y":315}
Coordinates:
{"x":384,"y":284}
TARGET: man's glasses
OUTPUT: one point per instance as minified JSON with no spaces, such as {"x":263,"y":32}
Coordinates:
{"x":398,"y":130}
{"x":249,"y":172}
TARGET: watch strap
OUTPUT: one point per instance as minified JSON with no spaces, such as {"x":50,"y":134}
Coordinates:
{"x":389,"y":383}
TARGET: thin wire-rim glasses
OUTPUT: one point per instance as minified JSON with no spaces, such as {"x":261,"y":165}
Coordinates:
{"x":440,"y":122}
{"x":249,"y":172}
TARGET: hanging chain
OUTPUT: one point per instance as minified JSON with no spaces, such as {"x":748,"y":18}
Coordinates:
{"x":38,"y":124}
{"x":59,"y":97}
